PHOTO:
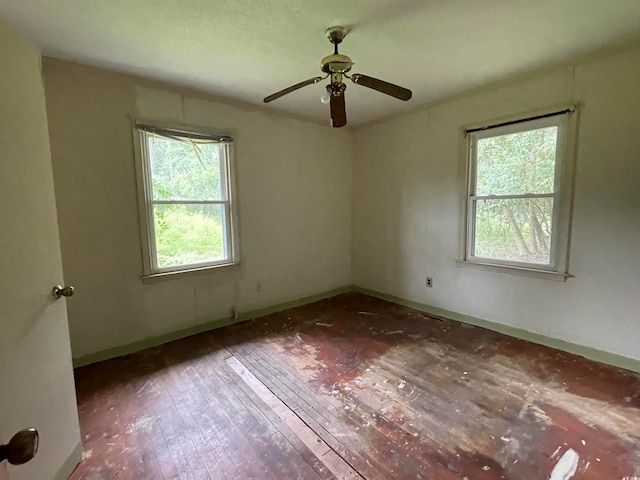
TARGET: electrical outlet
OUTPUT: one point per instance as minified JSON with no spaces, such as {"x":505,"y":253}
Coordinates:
{"x":429,"y":282}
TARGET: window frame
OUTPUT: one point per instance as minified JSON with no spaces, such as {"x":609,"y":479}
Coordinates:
{"x":151,"y":270}
{"x":565,"y":119}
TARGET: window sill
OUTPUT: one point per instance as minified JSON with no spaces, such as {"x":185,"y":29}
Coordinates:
{"x":159,"y":277}
{"x":512,"y":270}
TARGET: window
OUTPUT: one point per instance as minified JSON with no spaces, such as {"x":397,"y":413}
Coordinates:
{"x":519,"y":194}
{"x":185,"y":197}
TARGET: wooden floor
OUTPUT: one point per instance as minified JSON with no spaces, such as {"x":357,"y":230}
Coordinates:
{"x":355,"y":387}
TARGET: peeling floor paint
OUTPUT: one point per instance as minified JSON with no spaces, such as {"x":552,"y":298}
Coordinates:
{"x":566,"y":466}
{"x":442,"y":400}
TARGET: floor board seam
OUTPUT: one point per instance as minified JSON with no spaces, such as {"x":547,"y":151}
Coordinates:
{"x":329,"y":457}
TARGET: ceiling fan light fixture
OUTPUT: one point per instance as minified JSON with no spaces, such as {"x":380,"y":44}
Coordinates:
{"x":326,"y":97}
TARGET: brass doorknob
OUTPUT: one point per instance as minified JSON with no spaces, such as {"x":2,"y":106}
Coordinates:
{"x":21,"y":448}
{"x":60,"y":291}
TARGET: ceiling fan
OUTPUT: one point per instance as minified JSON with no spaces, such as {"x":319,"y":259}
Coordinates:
{"x":336,"y":67}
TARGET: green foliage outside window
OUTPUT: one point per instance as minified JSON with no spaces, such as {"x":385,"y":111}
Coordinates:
{"x":188,"y":234}
{"x":515,"y":164}
{"x":183,"y":170}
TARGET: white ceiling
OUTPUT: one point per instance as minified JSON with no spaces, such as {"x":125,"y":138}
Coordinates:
{"x":247,"y":49}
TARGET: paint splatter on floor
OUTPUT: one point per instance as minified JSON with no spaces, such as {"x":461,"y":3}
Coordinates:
{"x":566,"y":466}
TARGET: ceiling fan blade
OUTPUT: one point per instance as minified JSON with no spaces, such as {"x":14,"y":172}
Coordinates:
{"x":292,"y":88}
{"x":338,"y":110}
{"x":381,"y":86}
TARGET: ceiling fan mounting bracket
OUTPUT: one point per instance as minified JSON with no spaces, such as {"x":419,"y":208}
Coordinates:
{"x":336,"y":34}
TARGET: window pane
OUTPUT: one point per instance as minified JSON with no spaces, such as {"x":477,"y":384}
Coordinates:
{"x":188,"y":234}
{"x":185,"y":170}
{"x":516,"y":230}
{"x":517,"y":163}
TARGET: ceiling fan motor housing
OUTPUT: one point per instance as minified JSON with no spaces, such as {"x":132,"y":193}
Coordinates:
{"x":336,"y":63}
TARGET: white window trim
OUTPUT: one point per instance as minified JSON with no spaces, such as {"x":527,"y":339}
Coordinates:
{"x":151,"y":272}
{"x":563,"y":191}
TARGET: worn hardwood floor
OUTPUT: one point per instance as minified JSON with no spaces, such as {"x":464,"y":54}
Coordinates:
{"x":357,"y":388}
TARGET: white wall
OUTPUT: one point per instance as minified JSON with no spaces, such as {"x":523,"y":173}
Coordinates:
{"x":36,"y":376}
{"x":409,"y":182}
{"x":294,"y":185}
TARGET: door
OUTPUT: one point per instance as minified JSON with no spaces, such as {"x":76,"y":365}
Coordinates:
{"x":36,"y":375}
